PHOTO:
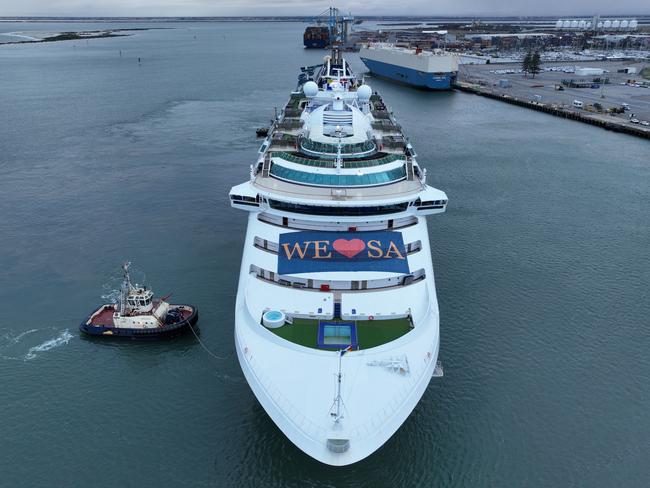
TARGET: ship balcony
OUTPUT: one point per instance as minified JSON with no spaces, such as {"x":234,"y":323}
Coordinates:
{"x":352,"y":226}
{"x":348,"y":286}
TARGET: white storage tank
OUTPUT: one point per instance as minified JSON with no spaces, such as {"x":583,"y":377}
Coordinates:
{"x":634,"y":24}
{"x":616,"y":24}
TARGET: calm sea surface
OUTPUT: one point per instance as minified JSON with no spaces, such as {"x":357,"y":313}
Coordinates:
{"x":542,"y":264}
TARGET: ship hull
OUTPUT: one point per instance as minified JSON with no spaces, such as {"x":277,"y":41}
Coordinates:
{"x":316,"y":44}
{"x":410,"y":76}
{"x":317,"y":447}
{"x":297,"y":398}
{"x":336,"y":317}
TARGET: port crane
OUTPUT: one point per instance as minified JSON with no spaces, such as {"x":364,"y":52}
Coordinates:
{"x":339,"y":26}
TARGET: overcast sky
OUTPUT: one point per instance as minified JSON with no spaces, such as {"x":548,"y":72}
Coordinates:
{"x":313,"y":7}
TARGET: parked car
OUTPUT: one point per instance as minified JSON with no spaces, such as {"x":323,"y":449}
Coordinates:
{"x":645,"y":122}
{"x":634,"y":121}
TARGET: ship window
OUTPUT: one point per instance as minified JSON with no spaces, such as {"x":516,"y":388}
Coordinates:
{"x":343,"y":211}
{"x":316,"y":179}
{"x":243,"y":198}
{"x":347,"y":163}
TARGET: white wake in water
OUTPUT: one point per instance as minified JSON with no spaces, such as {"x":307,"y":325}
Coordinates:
{"x":16,"y":340}
{"x":63,"y":339}
{"x":10,"y":340}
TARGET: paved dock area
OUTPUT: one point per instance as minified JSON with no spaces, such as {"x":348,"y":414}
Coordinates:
{"x":542,"y":88}
{"x":541,"y":93}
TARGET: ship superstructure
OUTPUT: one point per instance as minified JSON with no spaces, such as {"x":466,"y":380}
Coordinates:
{"x":336,"y":323}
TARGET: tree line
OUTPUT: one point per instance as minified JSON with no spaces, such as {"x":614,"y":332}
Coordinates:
{"x":531,"y":63}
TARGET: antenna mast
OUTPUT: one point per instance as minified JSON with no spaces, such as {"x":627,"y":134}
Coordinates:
{"x":336,"y":412}
{"x":126,"y":287}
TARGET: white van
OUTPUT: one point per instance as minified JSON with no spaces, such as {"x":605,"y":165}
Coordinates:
{"x":577,"y":104}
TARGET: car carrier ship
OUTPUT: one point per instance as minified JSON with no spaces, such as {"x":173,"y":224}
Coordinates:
{"x":434,"y":70}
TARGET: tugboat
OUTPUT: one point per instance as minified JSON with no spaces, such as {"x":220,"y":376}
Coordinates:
{"x":137,"y":315}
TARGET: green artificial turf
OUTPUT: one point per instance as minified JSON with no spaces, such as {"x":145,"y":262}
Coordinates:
{"x":373,"y":333}
{"x":370,"y":333}
{"x":302,"y":331}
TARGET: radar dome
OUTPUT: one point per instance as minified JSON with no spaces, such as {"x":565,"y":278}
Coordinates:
{"x":310,"y":89}
{"x":364,"y":92}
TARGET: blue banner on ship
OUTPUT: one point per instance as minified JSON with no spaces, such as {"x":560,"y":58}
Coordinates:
{"x":305,"y":252}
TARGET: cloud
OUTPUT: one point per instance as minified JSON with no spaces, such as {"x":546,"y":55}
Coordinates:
{"x":314,"y":7}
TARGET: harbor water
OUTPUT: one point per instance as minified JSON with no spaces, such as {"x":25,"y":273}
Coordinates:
{"x":125,"y":148}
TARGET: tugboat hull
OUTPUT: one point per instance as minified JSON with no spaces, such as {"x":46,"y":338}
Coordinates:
{"x":93,"y":325}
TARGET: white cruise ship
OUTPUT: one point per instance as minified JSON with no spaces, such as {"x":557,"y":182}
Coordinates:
{"x":336,"y":323}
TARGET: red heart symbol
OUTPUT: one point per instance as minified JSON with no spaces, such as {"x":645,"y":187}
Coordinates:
{"x":349,"y":248}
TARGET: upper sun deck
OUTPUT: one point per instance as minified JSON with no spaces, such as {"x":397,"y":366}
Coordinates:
{"x":336,"y":144}
{"x":336,"y":141}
